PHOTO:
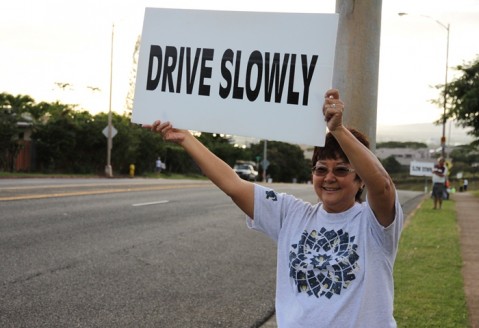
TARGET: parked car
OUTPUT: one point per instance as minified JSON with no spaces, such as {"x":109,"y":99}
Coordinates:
{"x":246,"y":171}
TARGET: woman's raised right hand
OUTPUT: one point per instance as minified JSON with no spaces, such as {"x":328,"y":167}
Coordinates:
{"x":167,"y":131}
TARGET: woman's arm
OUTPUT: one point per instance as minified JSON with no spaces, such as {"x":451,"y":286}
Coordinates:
{"x":380,"y":187}
{"x":220,"y":173}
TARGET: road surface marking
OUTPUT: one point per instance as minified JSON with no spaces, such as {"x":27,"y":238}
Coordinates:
{"x":104,"y":191}
{"x":151,"y":203}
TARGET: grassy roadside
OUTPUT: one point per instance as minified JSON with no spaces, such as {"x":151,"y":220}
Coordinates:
{"x":429,"y":288}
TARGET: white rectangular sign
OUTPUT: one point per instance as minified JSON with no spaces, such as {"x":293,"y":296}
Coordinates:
{"x":252,"y":74}
{"x":421,"y":168}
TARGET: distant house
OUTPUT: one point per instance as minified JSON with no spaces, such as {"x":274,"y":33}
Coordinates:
{"x":405,"y":155}
{"x":17,"y":154}
{"x":23,"y":161}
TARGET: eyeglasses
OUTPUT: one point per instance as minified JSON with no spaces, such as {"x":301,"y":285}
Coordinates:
{"x":339,"y":171}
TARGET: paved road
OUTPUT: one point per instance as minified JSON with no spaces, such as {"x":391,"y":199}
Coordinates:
{"x":131,"y":253}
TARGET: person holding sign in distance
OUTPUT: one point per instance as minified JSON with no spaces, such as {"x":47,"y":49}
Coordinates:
{"x":439,"y":178}
{"x":335,"y":258}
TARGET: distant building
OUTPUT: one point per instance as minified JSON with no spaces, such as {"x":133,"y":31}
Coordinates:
{"x":23,"y":160}
{"x":405,"y":155}
{"x":427,"y":133}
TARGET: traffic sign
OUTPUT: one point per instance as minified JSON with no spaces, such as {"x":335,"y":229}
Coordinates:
{"x":265,"y":164}
{"x":113,"y":131}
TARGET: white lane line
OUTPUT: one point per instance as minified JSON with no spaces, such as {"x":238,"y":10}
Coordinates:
{"x":151,"y":203}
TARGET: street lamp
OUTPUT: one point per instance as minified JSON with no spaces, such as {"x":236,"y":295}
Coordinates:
{"x":446,"y":27}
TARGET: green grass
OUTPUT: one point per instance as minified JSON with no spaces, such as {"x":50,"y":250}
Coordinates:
{"x":429,"y":288}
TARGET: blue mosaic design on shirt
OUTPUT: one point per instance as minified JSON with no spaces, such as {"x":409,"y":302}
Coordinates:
{"x":323,"y":263}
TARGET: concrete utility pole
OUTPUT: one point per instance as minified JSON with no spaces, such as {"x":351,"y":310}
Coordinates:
{"x":356,"y":66}
{"x":108,"y":168}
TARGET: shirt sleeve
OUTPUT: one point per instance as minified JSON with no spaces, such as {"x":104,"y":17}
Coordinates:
{"x":268,"y":212}
{"x":388,"y":237}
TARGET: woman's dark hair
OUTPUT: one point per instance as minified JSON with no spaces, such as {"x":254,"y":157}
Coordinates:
{"x":332,"y":150}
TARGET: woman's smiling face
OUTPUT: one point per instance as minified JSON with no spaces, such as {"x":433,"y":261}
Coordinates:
{"x":336,"y":192}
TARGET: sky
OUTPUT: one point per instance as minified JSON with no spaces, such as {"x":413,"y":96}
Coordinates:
{"x":47,"y":43}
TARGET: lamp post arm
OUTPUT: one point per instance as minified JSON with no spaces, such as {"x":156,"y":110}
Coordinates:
{"x":444,"y":120}
{"x":440,"y":23}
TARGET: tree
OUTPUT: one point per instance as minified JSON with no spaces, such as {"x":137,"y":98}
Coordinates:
{"x":463,"y":98}
{"x":150,"y":146}
{"x":400,"y":144}
{"x":56,"y":138}
{"x":391,"y":165}
{"x":287,"y":161}
{"x":223,"y":147}
{"x":464,"y":158}
{"x":90,"y":146}
{"x":132,"y":82}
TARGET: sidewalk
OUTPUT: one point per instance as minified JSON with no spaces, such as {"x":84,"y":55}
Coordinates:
{"x":467,"y":208}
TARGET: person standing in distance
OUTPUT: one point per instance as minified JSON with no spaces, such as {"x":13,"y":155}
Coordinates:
{"x":439,"y":175}
{"x":334,"y":259}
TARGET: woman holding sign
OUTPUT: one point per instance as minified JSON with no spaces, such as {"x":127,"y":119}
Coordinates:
{"x":335,"y":258}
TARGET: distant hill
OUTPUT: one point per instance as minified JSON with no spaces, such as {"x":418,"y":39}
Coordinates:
{"x":427,"y":133}
{"x":424,"y":132}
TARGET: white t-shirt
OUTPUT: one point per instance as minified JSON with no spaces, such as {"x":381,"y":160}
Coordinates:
{"x":436,"y":178}
{"x":333,"y":270}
